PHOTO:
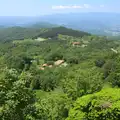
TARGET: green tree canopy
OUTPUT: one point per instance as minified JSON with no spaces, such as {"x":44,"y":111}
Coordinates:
{"x":104,"y":105}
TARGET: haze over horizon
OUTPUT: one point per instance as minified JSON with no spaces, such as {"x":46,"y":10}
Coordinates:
{"x":40,"y":7}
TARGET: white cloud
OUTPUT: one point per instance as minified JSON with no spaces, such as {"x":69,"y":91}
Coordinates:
{"x":76,"y":6}
{"x":102,"y":6}
{"x":84,"y":6}
{"x":71,"y":6}
{"x":87,"y":6}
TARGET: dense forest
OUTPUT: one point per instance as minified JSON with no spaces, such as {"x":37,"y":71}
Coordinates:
{"x":21,"y":33}
{"x":58,"y":74}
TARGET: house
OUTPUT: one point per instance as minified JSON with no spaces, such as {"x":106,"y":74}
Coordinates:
{"x":76,"y":43}
{"x":50,"y":66}
{"x":45,"y":65}
{"x":59,"y":62}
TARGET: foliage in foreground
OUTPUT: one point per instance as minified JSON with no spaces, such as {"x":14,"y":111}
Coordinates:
{"x":53,"y":107}
{"x":104,"y":105}
{"x":16,"y":101}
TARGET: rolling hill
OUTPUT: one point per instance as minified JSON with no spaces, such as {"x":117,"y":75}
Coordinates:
{"x":20,"y":33}
{"x":53,"y":32}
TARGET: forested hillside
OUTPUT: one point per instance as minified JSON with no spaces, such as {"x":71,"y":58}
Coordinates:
{"x":21,"y":33}
{"x":58,"y":74}
{"x":53,"y":32}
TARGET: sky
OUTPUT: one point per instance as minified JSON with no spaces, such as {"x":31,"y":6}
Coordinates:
{"x":43,"y":7}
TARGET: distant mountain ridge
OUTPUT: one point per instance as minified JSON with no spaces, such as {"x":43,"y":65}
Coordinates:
{"x":41,"y":25}
{"x":96,"y":23}
{"x":9,"y":21}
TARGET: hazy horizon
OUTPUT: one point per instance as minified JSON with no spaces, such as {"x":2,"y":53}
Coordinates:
{"x":61,"y":13}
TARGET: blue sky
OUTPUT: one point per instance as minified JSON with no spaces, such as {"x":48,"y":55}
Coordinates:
{"x":42,"y":7}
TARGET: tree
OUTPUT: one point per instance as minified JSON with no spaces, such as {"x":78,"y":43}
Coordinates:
{"x":53,"y":56}
{"x":16,"y":98}
{"x":81,"y":82}
{"x":104,"y":105}
{"x":108,"y":68}
{"x":50,"y":78}
{"x":73,"y":60}
{"x":54,"y":107}
{"x":114,"y":74}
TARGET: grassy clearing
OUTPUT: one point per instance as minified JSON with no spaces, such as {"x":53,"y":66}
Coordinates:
{"x":29,"y":40}
{"x":42,"y":94}
{"x":40,"y":39}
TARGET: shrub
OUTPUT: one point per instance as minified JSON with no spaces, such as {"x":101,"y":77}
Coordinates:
{"x":73,"y":60}
{"x":99,"y":62}
{"x":50,"y":62}
{"x":54,"y":56}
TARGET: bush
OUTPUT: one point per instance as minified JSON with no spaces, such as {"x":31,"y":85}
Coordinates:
{"x":108,"y":67}
{"x":50,"y":62}
{"x":73,"y":60}
{"x":54,"y":56}
{"x":99,"y":62}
